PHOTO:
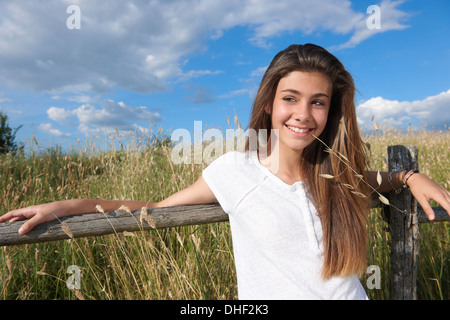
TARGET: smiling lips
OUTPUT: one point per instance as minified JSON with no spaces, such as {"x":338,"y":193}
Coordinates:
{"x":299,"y":130}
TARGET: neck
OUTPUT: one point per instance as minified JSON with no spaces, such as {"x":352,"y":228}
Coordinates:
{"x":282,"y":162}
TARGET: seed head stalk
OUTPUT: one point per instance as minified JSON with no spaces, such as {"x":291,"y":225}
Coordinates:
{"x":344,"y":160}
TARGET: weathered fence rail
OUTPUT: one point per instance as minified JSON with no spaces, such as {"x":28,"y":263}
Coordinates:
{"x":403,"y":220}
{"x":98,"y":224}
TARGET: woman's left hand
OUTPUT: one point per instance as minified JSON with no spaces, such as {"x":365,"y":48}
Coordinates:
{"x":424,"y":190}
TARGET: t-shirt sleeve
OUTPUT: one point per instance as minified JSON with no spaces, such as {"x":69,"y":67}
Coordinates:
{"x":225,"y":178}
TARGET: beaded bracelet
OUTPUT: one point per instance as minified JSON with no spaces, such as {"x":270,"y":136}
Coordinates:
{"x":404,"y":179}
{"x":406,"y":176}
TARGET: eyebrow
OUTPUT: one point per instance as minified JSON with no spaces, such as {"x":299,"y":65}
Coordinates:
{"x":317,"y":95}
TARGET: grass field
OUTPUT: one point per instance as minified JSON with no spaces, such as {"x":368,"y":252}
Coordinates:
{"x":193,"y":262}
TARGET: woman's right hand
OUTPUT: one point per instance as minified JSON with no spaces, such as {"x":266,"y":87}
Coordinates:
{"x":54,"y":210}
{"x":36,"y":214}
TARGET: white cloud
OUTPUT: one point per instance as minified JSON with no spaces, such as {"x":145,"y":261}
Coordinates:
{"x":48,"y":128}
{"x":235,"y":93}
{"x":110,"y":115}
{"x":432,"y":111}
{"x":391,"y":19}
{"x":81,"y":99}
{"x":252,"y":87}
{"x":259,"y":72}
{"x":196,"y":73}
{"x":3,"y":98}
{"x":139,"y":45}
{"x":59,"y":114}
{"x":11,"y":111}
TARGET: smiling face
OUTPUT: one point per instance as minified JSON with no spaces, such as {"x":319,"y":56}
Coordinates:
{"x":300,"y":109}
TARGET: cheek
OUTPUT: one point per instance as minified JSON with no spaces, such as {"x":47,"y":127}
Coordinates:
{"x":321,"y":119}
{"x":280,"y":113}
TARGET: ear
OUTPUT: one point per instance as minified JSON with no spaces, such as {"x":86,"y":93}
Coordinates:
{"x":267,"y":109}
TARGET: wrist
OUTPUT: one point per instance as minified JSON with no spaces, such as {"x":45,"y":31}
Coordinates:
{"x":409,"y":180}
{"x":407,"y":176}
{"x":401,"y":179}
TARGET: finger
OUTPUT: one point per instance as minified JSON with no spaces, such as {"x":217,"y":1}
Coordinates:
{"x":11,"y":217}
{"x":6,"y":217}
{"x":30,"y":224}
{"x":18,"y":214}
{"x":426,"y":207}
{"x":446,"y":203}
{"x":443,"y":200}
{"x":447,"y":197}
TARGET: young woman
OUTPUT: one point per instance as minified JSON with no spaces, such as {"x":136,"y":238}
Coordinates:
{"x":296,"y":235}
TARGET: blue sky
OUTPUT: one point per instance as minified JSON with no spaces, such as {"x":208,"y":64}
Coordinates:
{"x":133,"y":64}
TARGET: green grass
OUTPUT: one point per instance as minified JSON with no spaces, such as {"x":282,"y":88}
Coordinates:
{"x":194,"y":262}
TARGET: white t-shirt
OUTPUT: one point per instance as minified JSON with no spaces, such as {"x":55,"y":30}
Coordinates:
{"x":277,"y":235}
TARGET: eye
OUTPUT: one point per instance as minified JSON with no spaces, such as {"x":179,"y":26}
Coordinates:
{"x":289,"y":99}
{"x":318,"y":103}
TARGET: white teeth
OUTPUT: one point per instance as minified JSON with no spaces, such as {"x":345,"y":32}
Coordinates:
{"x":298,"y":129}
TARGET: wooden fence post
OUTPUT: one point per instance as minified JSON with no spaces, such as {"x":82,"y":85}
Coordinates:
{"x":404,"y":225}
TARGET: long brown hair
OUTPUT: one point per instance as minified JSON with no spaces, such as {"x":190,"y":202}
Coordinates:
{"x":341,"y":202}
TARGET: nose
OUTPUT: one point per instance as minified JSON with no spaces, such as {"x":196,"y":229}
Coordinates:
{"x":302,"y":112}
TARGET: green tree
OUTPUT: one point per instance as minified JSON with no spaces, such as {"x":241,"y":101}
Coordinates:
{"x":8,"y":136}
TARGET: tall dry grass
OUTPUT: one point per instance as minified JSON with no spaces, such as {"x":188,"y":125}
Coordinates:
{"x":194,"y":262}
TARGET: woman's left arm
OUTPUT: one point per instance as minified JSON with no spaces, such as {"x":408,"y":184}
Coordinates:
{"x":422,"y":188}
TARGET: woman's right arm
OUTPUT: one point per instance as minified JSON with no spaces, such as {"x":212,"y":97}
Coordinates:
{"x":197,"y":193}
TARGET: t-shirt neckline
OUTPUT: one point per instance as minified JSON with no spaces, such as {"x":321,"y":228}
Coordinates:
{"x":270,"y":174}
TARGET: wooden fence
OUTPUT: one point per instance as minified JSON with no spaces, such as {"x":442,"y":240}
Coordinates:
{"x":404,"y":226}
{"x":403,"y":220}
